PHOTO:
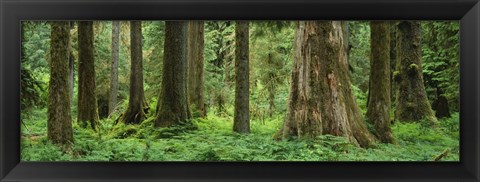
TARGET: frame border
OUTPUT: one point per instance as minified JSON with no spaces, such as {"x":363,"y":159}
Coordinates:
{"x":12,"y":12}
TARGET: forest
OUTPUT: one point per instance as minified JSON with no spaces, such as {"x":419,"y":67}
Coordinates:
{"x":240,"y":90}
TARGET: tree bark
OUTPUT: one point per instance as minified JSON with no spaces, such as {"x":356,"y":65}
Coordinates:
{"x":412,"y":101}
{"x":241,"y":120}
{"x":112,"y":102}
{"x":172,"y":107}
{"x":59,"y":122}
{"x":137,"y":106}
{"x":378,"y":111}
{"x":87,"y":102}
{"x":321,"y":100}
{"x":195,"y":86}
{"x":393,"y":66}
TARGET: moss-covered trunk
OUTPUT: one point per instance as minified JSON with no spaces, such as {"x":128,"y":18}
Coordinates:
{"x":59,"y":122}
{"x":412,"y":103}
{"x":113,"y":89}
{"x":172,"y":107}
{"x":393,"y":62}
{"x":241,"y":120}
{"x":195,"y":86}
{"x":87,"y":102}
{"x":137,"y":105}
{"x":321,"y":100}
{"x":378,"y":112}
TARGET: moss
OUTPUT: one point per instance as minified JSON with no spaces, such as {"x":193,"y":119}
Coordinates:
{"x":413,"y":69}
{"x":396,"y":76}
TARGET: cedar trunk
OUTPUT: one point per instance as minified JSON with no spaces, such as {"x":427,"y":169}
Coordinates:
{"x":378,"y":112}
{"x":195,"y":86}
{"x":87,"y":102}
{"x":241,"y":120}
{"x":172,"y":107}
{"x":113,"y":92}
{"x":321,"y":100}
{"x":137,"y":106}
{"x":412,"y":102}
{"x":59,"y":122}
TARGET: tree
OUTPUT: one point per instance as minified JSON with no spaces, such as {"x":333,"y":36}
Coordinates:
{"x":412,"y":102}
{"x":87,"y":102}
{"x":137,"y":106}
{"x":321,"y":100}
{"x":71,"y":65}
{"x":241,"y":120}
{"x":172,"y":107}
{"x":378,"y":112}
{"x":59,"y":122}
{"x":113,"y":92}
{"x":393,"y":63}
{"x":195,"y":86}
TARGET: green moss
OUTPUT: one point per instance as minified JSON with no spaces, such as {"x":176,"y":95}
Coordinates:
{"x":396,"y":76}
{"x":413,"y":69}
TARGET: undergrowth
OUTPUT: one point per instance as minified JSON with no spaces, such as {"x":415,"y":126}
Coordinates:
{"x":212,"y":139}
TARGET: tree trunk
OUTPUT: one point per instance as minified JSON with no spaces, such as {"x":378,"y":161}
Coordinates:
{"x":112,"y":102}
{"x":440,"y":105}
{"x":71,"y":62}
{"x":87,"y":102}
{"x":241,"y":120}
{"x":321,"y":100}
{"x":195,"y":86}
{"x":393,"y":65}
{"x":412,"y":102}
{"x":172,"y":107}
{"x":378,"y":111}
{"x":137,"y":106}
{"x":59,"y":122}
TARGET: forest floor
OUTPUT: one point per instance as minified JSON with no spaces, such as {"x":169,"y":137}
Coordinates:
{"x":212,"y":139}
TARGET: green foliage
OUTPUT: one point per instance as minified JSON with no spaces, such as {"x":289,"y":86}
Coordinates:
{"x":441,"y":60}
{"x":34,"y":70}
{"x":211,"y":139}
{"x":359,"y":54}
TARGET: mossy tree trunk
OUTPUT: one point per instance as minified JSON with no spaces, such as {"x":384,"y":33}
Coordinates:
{"x":393,"y":64}
{"x":241,"y":118}
{"x":321,"y":100}
{"x":412,"y":102}
{"x":87,"y":102}
{"x":137,"y":106}
{"x":59,"y":122}
{"x":113,"y":90}
{"x":195,"y":86}
{"x":172,"y":107}
{"x":378,"y":111}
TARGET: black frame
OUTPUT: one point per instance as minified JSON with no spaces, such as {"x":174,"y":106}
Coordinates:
{"x":12,"y":12}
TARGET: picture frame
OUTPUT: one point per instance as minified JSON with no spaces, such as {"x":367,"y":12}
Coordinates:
{"x":12,"y":12}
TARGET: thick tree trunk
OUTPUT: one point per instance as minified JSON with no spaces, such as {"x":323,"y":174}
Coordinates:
{"x":378,"y":112}
{"x":412,"y":101}
{"x":172,"y":107}
{"x":113,"y":92}
{"x":321,"y":100}
{"x":137,"y":106}
{"x":195,"y":86}
{"x":87,"y":102}
{"x":241,"y":120}
{"x":59,"y":122}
